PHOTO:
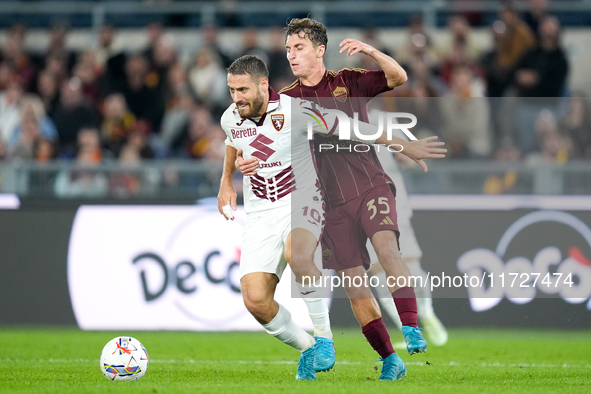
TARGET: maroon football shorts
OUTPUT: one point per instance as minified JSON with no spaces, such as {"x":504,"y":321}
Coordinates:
{"x":348,"y":226}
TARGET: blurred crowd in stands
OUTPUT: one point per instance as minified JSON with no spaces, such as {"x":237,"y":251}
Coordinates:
{"x":508,"y":102}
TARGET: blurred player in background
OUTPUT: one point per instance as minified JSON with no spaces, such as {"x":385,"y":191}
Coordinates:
{"x":359,"y":194}
{"x":411,"y":255}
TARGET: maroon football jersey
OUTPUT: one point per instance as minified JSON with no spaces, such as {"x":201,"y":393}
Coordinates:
{"x":345,"y":175}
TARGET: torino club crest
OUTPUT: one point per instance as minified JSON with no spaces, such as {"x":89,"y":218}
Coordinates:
{"x":278,"y":120}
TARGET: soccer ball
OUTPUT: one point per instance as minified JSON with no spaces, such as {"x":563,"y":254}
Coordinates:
{"x":124,"y":358}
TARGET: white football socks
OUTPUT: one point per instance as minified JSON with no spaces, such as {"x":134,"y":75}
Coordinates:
{"x":284,"y":328}
{"x":317,"y":308}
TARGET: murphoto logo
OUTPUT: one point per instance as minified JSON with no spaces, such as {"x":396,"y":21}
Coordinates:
{"x":328,"y":121}
{"x":317,"y":116}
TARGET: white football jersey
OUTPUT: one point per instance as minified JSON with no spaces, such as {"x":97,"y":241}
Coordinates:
{"x":278,"y":139}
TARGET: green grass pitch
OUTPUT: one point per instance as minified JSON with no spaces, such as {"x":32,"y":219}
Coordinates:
{"x":66,"y":360}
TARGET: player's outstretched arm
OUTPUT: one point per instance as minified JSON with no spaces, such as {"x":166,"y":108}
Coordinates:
{"x":227,"y":194}
{"x":426,"y":148}
{"x":247,"y":167}
{"x":395,"y":74}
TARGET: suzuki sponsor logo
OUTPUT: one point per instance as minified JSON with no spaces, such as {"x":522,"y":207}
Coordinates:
{"x":261,"y":143}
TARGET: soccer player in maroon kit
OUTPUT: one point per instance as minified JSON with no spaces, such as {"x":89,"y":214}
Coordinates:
{"x":359,"y":195}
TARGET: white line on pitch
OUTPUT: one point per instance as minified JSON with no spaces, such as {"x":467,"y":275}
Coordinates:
{"x":282,"y":362}
{"x":498,"y":364}
{"x":190,"y":361}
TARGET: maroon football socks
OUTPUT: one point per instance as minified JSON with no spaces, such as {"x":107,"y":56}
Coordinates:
{"x":378,"y":337}
{"x":406,"y":304}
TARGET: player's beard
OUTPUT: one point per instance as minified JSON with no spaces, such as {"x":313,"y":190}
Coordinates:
{"x":255,"y":106}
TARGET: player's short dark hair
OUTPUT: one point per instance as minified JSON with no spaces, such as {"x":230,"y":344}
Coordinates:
{"x":312,"y":29}
{"x":249,"y":64}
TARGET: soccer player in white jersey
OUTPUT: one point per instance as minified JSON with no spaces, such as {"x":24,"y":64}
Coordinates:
{"x":261,"y":127}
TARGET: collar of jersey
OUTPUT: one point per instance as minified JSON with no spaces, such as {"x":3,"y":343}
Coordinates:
{"x":273,"y":100}
{"x":321,"y":82}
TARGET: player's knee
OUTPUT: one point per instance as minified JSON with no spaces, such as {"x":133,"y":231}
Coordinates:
{"x":300,"y":261}
{"x":257,"y":305}
{"x":386,"y":245}
{"x":386,"y":252}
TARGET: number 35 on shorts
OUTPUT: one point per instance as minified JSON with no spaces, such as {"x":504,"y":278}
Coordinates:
{"x":384,"y":207}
